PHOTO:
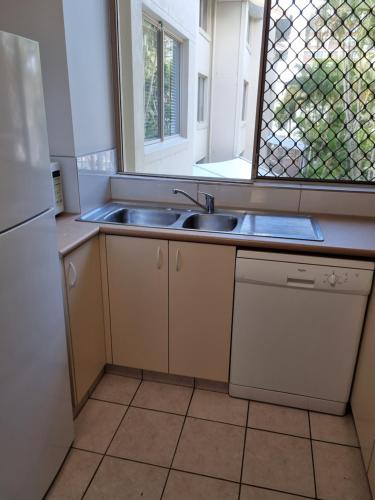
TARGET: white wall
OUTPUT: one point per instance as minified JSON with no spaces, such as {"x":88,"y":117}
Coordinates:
{"x":90,"y":74}
{"x":43,"y":21}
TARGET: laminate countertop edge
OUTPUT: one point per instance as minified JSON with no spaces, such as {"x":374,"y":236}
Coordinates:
{"x":343,"y":236}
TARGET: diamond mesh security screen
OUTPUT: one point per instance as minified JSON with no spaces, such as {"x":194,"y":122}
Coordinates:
{"x":318,"y":116}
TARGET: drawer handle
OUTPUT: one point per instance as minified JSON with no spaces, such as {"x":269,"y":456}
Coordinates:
{"x":158,"y":258}
{"x":72,"y":275}
{"x":178,"y":260}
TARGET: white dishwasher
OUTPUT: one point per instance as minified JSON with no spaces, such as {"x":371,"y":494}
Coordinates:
{"x":296,"y":328}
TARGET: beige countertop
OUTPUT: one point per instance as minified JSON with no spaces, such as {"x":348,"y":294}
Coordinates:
{"x":343,"y":236}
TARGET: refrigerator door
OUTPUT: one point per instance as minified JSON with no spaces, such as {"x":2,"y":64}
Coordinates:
{"x":25,"y":187}
{"x":36,"y":424}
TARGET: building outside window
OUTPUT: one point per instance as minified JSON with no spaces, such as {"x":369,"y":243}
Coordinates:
{"x":201,"y":98}
{"x":161,"y":51}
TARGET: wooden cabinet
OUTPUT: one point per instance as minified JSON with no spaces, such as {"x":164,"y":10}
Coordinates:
{"x":363,"y":394}
{"x":201,"y":281}
{"x":138,"y":301}
{"x":371,"y":475}
{"x":85,"y":315}
{"x":170,"y":305}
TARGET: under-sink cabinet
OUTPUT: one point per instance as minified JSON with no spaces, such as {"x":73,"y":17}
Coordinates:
{"x":170,"y":305}
{"x":85,"y":316}
{"x":138,"y":301}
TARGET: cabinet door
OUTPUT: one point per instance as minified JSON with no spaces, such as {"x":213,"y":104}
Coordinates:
{"x":363,"y":395}
{"x":138,"y":298}
{"x":85,"y":310}
{"x":200,"y":309}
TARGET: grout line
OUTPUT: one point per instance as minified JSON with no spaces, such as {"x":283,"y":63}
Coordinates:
{"x":226,"y":423}
{"x":114,"y":434}
{"x":265,"y":488}
{"x":312,"y":455}
{"x":178,"y":442}
{"x":107,"y":401}
{"x":243,"y":450}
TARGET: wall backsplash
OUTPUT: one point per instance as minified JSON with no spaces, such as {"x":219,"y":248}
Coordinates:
{"x":258,"y":196}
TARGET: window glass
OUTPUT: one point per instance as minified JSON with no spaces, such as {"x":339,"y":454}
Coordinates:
{"x":152,"y":81}
{"x":171,"y":99}
{"x":201,"y":98}
{"x":203,"y":14}
{"x":318,"y":119}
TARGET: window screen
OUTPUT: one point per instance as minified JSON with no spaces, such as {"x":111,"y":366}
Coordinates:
{"x":318,"y":109}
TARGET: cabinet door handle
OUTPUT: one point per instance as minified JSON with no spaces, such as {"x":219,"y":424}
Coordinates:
{"x":158,"y":258}
{"x":178,"y":260}
{"x":72,"y":273}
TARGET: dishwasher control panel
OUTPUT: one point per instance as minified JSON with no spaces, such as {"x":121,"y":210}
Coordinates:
{"x":301,"y":275}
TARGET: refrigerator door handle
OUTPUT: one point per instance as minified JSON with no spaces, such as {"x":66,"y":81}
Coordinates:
{"x":72,"y":275}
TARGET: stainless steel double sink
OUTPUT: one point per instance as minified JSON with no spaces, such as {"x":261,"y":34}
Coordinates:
{"x":234,"y":222}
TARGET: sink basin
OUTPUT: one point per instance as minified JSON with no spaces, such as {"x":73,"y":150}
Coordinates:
{"x":142,"y":217}
{"x":211,"y":222}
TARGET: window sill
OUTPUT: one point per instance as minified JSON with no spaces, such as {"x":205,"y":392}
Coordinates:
{"x":163,"y":148}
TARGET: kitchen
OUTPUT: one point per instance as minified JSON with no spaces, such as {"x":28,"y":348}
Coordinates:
{"x":187,"y":308}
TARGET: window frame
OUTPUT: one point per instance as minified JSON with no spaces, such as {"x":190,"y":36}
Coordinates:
{"x":245,"y":96}
{"x":204,"y":11}
{"x":125,"y":152}
{"x":162,"y":31}
{"x":203,"y":108}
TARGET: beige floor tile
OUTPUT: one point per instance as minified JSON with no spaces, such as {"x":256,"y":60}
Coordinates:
{"x":278,"y":462}
{"x":210,"y":448}
{"x":339,"y":472}
{"x":252,"y":493}
{"x":75,"y":475}
{"x":219,"y":407}
{"x":119,"y":479}
{"x":116,"y":389}
{"x":278,"y":419}
{"x":96,"y":425}
{"x":185,"y":486}
{"x":334,"y":429}
{"x":163,"y":397}
{"x":148,"y":436}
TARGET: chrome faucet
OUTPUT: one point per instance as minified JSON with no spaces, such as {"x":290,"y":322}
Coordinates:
{"x":209,"y":205}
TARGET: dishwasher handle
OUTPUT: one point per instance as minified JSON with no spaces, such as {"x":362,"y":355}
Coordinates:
{"x":300,"y":282}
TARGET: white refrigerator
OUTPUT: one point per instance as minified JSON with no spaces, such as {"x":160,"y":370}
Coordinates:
{"x":36,"y":424}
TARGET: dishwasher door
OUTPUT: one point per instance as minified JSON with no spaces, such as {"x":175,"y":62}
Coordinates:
{"x":295,"y":334}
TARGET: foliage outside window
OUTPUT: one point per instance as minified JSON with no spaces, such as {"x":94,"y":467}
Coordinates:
{"x":161,"y":53}
{"x":318,"y":114}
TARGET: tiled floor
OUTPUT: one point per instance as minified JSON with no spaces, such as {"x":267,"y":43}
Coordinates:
{"x":152,"y":440}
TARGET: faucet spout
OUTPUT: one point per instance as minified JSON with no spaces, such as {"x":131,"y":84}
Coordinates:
{"x":209,"y":206}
